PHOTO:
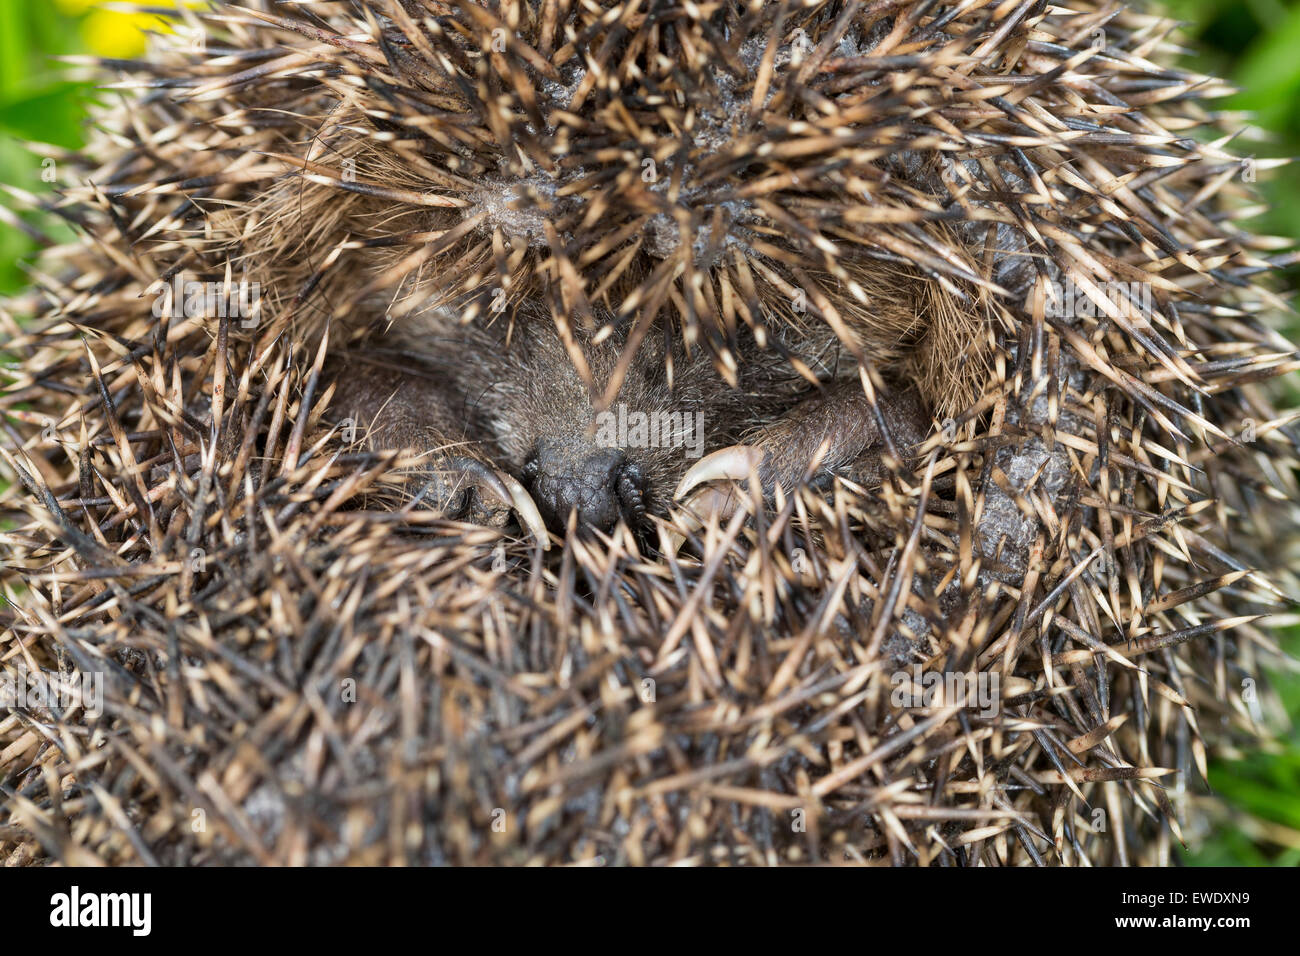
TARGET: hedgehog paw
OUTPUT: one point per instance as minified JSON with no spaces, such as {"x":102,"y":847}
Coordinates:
{"x":835,"y":435}
{"x":711,"y":487}
{"x":700,"y":485}
{"x":741,"y":462}
{"x":466,"y":489}
{"x":702,"y":490}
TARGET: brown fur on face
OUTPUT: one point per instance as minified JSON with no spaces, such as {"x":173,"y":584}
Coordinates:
{"x":509,"y":394}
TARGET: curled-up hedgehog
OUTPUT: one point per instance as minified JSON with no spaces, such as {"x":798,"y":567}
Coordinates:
{"x":929,"y":337}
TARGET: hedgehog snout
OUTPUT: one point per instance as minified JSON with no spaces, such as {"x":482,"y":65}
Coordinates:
{"x":599,"y":483}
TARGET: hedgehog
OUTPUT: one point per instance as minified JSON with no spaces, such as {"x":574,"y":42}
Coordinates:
{"x":638,"y":433}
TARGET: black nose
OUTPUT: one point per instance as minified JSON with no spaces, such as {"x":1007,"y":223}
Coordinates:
{"x":597,"y":483}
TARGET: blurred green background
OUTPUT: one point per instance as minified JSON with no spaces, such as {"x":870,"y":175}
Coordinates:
{"x":1254,"y":43}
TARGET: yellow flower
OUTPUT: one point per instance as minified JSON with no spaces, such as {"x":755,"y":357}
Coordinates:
{"x":113,"y":34}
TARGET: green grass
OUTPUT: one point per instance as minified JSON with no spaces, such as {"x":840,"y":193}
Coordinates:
{"x":37,"y":103}
{"x":1255,"y":43}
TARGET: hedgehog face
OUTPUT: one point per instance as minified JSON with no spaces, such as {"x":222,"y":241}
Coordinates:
{"x":613,"y":429}
{"x":576,"y":451}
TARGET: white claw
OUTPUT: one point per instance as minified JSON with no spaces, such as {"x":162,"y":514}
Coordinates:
{"x":736,"y":463}
{"x":699,"y":508}
{"x":527,"y":509}
{"x":694,"y":510}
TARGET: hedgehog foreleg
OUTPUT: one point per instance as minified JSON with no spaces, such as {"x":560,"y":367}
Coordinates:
{"x":839,"y":425}
{"x":392,"y":408}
